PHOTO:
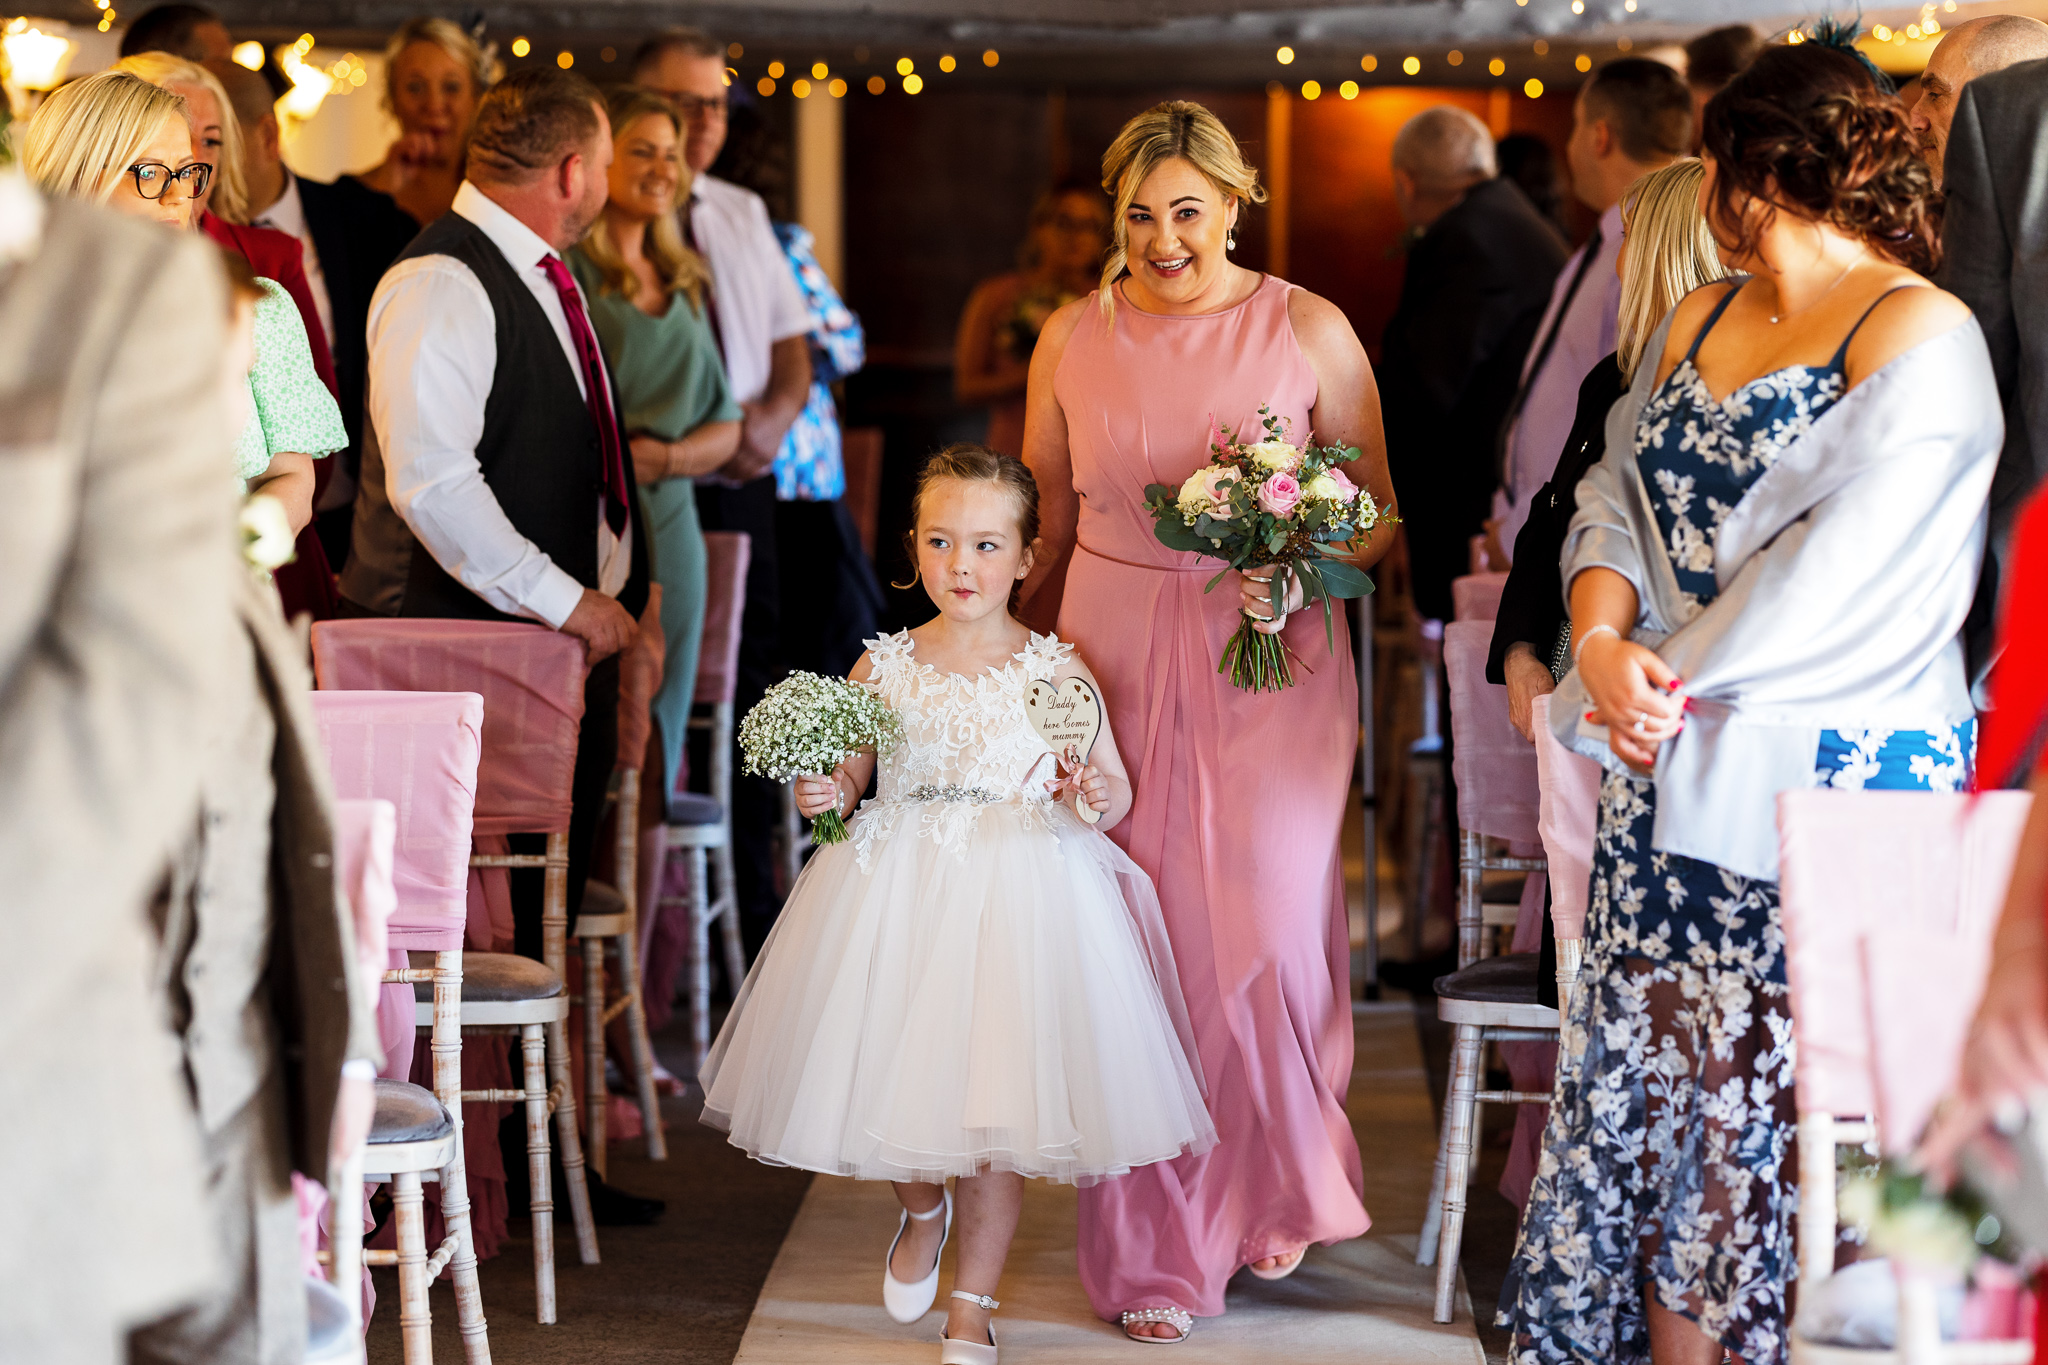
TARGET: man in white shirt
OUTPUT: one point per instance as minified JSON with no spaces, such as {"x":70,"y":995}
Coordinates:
{"x":1632,"y":117}
{"x":762,"y":326}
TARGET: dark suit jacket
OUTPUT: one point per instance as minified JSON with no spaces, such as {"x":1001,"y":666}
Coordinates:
{"x":359,"y":233}
{"x":1994,"y":242}
{"x":1532,"y":601}
{"x":1475,"y":289}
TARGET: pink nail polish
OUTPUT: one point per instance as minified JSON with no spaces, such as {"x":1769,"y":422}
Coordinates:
{"x":1674,"y":684}
{"x":1592,"y":715}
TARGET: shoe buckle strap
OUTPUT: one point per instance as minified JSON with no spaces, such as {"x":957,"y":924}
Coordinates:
{"x":979,"y":1300}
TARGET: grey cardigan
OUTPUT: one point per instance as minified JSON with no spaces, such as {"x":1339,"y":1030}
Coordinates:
{"x":1845,"y":575}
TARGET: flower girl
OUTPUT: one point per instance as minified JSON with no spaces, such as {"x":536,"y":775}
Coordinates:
{"x":976,"y":984}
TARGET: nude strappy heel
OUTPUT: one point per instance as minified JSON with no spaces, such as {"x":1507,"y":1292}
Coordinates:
{"x":1179,"y":1319}
{"x":909,"y":1302}
{"x":953,"y":1352}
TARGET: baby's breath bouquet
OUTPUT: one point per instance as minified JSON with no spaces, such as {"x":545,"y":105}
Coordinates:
{"x":1270,"y":502}
{"x":806,"y":726}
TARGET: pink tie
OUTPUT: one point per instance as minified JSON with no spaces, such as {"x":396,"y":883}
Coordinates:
{"x":596,"y":391}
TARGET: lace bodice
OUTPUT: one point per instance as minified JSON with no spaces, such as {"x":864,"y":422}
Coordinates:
{"x":967,"y":743}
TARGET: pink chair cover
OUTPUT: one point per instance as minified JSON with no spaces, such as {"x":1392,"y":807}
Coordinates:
{"x":1476,"y":596}
{"x":531,"y":681}
{"x":1494,"y":767}
{"x":727,"y":555}
{"x":1568,"y":812}
{"x":1907,"y":885}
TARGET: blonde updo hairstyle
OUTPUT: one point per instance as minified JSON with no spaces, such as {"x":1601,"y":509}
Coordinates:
{"x":1671,"y":252}
{"x":229,"y":200}
{"x":972,"y":463}
{"x":1177,"y":128}
{"x":88,"y":133}
{"x":451,"y":38}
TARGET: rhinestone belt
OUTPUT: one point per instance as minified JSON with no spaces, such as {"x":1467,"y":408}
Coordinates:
{"x":979,"y":796}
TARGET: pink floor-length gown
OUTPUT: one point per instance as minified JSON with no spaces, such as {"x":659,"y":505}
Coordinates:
{"x":1239,"y":801}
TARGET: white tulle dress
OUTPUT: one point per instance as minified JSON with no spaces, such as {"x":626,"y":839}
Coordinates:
{"x":976,"y":980}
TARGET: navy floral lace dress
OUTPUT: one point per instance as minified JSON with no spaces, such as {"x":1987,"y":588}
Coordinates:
{"x":1667,"y":1159}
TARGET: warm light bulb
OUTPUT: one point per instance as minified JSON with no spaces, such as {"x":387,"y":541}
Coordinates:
{"x":248,"y":55}
{"x":1583,"y":62}
{"x":1311,"y":90}
{"x":1455,"y":57}
{"x":991,"y":57}
{"x":1930,"y":26}
{"x":1349,"y":90}
{"x":801,"y":88}
{"x":1285,"y":56}
{"x":1913,"y":32}
{"x":1881,"y":33}
{"x":1496,"y":67}
{"x":904,"y":66}
{"x":838,"y":88}
{"x":1411,"y":65}
{"x":1369,"y":63}
{"x":735,"y":51}
{"x":765,"y":86}
{"x":607,"y":54}
{"x":565,"y":59}
{"x":1542,"y":48}
{"x":913,"y":83}
{"x":520,"y":47}
{"x":876,"y":85}
{"x":35,"y":59}
{"x":775,"y":70}
{"x":946,"y":63}
{"x":1533,"y":88}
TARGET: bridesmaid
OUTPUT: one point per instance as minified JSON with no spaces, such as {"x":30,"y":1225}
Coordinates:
{"x":1239,"y":795}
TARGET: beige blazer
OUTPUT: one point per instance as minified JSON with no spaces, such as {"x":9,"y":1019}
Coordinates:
{"x":117,"y":568}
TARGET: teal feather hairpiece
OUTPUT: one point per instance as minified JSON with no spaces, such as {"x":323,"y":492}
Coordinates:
{"x":1842,"y":34}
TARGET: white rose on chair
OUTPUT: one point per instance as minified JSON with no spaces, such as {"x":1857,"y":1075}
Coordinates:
{"x":267,"y":540}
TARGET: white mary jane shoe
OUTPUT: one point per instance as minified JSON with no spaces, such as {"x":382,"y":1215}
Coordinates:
{"x":953,"y":1352}
{"x":909,"y":1302}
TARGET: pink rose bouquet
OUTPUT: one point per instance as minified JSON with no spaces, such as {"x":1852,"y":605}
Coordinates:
{"x":1270,"y":502}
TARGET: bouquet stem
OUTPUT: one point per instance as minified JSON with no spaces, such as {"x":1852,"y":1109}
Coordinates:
{"x":827,"y":828}
{"x":1257,"y":661}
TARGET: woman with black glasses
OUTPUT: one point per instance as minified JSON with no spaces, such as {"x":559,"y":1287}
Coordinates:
{"x":117,"y":140}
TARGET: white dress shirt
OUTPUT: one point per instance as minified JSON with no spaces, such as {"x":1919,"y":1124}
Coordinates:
{"x":288,"y":215}
{"x":752,"y":288}
{"x":1584,"y":338}
{"x":433,"y":353}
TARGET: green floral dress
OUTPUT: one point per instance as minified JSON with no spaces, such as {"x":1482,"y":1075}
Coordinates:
{"x":289,"y":408}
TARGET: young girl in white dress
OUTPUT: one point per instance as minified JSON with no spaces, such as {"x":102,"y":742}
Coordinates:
{"x":976,"y":984}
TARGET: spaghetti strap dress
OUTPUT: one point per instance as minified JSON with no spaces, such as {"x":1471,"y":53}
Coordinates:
{"x":1667,"y":1159}
{"x":1239,"y":806}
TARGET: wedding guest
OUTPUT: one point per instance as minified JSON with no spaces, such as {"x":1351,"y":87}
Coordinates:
{"x":189,"y":31}
{"x":434,"y":75}
{"x":1527,"y":160}
{"x":1665,"y":251}
{"x":1995,"y":207}
{"x":1632,"y":117}
{"x":118,"y":140}
{"x":1238,"y":796}
{"x":1973,"y":48}
{"x":1480,"y":265}
{"x":763,"y":331}
{"x":1712,"y":59}
{"x":494,"y":479}
{"x":830,"y":599}
{"x":1741,"y":636}
{"x":116,"y":617}
{"x":647,"y":294}
{"x":1061,"y":257}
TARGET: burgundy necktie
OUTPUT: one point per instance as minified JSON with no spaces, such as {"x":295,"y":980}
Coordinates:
{"x":596,"y":391}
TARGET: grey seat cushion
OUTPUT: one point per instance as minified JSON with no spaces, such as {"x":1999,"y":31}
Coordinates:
{"x":498,"y":977}
{"x":1509,"y":979}
{"x":407,"y":1113}
{"x":693,"y":808}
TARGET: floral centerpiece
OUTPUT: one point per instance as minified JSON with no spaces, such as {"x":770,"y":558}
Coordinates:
{"x":807,"y":725}
{"x":1270,"y":502}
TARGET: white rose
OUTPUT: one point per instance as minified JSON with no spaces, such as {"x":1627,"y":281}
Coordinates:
{"x":1324,"y":487}
{"x":1194,"y":495}
{"x":1274,"y":456}
{"x":267,"y":539}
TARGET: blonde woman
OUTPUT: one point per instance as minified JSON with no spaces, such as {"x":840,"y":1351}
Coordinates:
{"x":1239,"y":796}
{"x":118,"y":140}
{"x":434,"y":74}
{"x":647,"y":295}
{"x":1666,"y":253}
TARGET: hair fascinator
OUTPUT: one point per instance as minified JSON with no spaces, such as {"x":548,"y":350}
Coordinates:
{"x":1829,"y":31}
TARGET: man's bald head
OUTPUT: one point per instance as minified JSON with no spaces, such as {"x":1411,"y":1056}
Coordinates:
{"x":1438,"y":155}
{"x":1973,"y":48}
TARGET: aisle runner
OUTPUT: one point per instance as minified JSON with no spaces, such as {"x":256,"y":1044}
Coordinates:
{"x":1363,"y":1302}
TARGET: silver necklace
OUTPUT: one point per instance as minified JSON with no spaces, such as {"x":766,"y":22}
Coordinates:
{"x":1823,"y":293}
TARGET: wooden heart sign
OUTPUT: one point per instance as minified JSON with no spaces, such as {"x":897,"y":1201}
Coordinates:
{"x":1068,"y":717}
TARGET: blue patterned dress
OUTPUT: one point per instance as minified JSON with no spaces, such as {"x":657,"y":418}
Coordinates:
{"x":1668,"y":1156}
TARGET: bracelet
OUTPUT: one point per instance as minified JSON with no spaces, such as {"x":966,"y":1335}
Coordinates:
{"x":1580,"y":647}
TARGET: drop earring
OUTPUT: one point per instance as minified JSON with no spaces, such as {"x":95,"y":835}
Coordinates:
{"x":1230,"y":241}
